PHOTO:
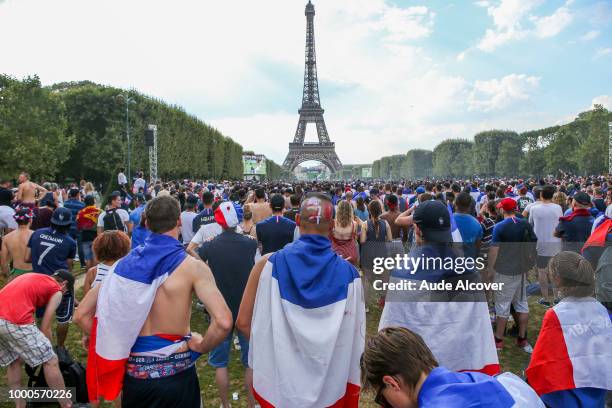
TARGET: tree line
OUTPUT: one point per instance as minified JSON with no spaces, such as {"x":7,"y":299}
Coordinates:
{"x":579,"y":147}
{"x":77,"y":130}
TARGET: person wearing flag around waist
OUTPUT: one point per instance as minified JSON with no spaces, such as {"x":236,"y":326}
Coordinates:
{"x":139,"y":320}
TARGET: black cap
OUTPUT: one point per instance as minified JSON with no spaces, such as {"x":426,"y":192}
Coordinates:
{"x":61,"y":216}
{"x":277,"y":202}
{"x":433,"y":220}
{"x":582,"y":198}
{"x":65,"y":276}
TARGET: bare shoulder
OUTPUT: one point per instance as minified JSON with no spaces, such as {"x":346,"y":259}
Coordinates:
{"x":194,"y":267}
{"x":92,"y":271}
{"x":10,"y":236}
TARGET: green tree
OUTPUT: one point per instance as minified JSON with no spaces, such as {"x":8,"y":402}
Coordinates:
{"x":487,"y":154}
{"x":453,"y":158}
{"x":33,"y":131}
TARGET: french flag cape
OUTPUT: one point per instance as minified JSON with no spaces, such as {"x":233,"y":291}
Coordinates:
{"x":308,"y":328}
{"x":124,"y":302}
{"x":443,"y":324}
{"x":574,"y":348}
{"x":449,"y":389}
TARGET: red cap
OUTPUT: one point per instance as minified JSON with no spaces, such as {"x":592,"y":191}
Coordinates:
{"x":507,"y":204}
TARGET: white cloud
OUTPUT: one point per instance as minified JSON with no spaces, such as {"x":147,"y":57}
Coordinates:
{"x":494,"y":38}
{"x":499,"y":93}
{"x":591,"y":35}
{"x":512,"y":21}
{"x":507,"y":21}
{"x":605,"y":100}
{"x":405,"y":23}
{"x":482,"y":3}
{"x":602,"y":52}
{"x":550,"y":26}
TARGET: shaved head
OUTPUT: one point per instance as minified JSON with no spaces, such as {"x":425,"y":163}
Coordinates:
{"x":316,"y":214}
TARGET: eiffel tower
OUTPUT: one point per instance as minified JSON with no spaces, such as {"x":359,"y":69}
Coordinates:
{"x":311,"y":112}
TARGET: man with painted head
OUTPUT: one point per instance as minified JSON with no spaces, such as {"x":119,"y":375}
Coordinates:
{"x":304,"y":313}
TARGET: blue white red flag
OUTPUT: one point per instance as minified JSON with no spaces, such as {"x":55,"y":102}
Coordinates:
{"x":448,"y":389}
{"x":573,"y":351}
{"x":124,"y":302}
{"x":308,"y":328}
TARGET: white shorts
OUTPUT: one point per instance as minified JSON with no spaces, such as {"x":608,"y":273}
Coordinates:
{"x":513,"y":292}
{"x":24,"y":341}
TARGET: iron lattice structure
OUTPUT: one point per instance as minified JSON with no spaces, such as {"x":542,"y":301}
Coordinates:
{"x":311,"y":112}
{"x":153,"y":156}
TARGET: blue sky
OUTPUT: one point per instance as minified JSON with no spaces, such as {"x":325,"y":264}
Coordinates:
{"x":393,"y":74}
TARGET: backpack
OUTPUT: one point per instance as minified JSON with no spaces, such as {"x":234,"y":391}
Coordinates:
{"x":72,"y":371}
{"x":603,"y":278}
{"x":112,"y":221}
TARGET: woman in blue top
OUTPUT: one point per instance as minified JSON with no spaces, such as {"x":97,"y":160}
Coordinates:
{"x":140,"y":232}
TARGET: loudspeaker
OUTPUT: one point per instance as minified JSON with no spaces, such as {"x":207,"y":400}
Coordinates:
{"x":149,"y":137}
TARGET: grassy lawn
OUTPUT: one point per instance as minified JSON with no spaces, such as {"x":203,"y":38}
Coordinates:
{"x":511,"y":358}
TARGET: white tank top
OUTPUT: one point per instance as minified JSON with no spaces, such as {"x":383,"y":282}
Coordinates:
{"x":101,"y":271}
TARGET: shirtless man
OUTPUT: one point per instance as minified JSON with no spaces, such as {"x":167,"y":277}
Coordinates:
{"x":26,"y":193}
{"x":260,"y":208}
{"x":151,"y":289}
{"x":14,"y":245}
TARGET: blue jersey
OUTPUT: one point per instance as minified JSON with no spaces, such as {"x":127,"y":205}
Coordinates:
{"x":136,"y":215}
{"x":74,"y":206}
{"x":51,"y":250}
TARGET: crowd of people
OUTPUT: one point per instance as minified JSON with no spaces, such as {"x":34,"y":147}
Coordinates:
{"x":285,"y":272}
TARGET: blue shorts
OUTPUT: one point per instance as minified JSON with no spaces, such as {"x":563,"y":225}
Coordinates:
{"x":87,"y":251}
{"x":219,"y":356}
{"x":64,"y":311}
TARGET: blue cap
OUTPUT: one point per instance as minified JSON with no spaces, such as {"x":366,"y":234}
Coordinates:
{"x":420,"y":190}
{"x":61,"y":216}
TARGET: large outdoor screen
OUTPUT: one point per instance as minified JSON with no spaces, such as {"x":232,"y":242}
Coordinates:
{"x":254,"y":165}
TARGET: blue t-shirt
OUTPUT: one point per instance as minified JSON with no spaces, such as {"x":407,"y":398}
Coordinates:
{"x":51,"y":250}
{"x":274,"y":233}
{"x":471,"y":232}
{"x":136,"y":215}
{"x":74,"y":206}
{"x":507,"y":236}
{"x":469,"y":227}
{"x":206,"y":216}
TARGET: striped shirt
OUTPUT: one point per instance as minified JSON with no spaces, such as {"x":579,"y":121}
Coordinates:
{"x":101,"y":272}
